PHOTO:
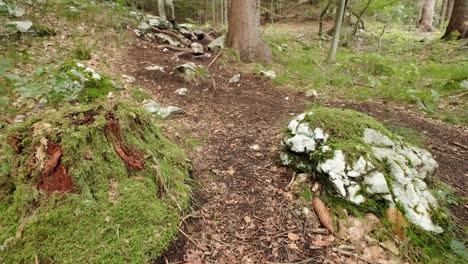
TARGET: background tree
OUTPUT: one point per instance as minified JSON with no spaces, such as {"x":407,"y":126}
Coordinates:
{"x":458,"y":24}
{"x":336,"y":34}
{"x":427,"y":16}
{"x":244,"y":31}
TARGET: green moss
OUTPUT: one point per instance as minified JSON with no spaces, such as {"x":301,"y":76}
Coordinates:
{"x":114,"y":214}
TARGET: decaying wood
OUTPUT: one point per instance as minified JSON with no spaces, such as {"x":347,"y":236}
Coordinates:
{"x":322,"y":213}
{"x":171,"y":34}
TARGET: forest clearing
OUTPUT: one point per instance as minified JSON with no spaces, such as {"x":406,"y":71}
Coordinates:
{"x":283,"y":131}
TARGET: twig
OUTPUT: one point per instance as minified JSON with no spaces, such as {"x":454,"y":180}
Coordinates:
{"x":190,"y":239}
{"x":285,"y":232}
{"x":380,"y":38}
{"x":213,"y":82}
{"x":322,"y":231}
{"x":172,"y":34}
{"x":214,"y":59}
{"x":6,"y":119}
{"x":460,"y":145}
{"x":309,"y":260}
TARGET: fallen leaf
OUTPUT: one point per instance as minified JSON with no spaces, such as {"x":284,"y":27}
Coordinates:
{"x":293,"y":237}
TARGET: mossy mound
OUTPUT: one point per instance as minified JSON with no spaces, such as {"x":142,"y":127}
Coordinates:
{"x":359,"y":160}
{"x":90,"y":184}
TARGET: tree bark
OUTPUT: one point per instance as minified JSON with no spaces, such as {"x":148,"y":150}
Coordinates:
{"x":427,"y":16}
{"x":336,"y":35}
{"x":458,"y":24}
{"x":322,"y":15}
{"x":450,"y":9}
{"x":443,"y":11}
{"x":244,"y":31}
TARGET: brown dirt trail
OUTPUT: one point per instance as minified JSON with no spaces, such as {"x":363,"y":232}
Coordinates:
{"x":243,"y":206}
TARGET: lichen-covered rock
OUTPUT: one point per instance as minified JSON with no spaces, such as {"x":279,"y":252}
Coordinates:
{"x":360,"y":159}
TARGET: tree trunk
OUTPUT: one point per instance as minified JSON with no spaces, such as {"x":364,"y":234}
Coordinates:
{"x":443,"y":11}
{"x":336,"y":35}
{"x":427,"y":16}
{"x":450,"y":9}
{"x":458,"y":24}
{"x":322,"y":15}
{"x":244,"y":31}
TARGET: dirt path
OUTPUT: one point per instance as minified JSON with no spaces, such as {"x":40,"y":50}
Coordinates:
{"x":243,"y":211}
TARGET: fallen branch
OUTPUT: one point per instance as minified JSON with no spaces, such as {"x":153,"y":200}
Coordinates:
{"x":214,"y":59}
{"x":174,"y":48}
{"x":190,"y":239}
{"x":172,"y":34}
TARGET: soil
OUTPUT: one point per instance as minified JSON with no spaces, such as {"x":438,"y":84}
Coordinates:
{"x":55,"y":177}
{"x":243,"y":210}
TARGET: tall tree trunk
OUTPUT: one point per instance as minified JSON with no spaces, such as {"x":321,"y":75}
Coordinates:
{"x":427,"y":16}
{"x":336,"y":35}
{"x":458,"y":24}
{"x":450,"y":9}
{"x":443,"y":11}
{"x":244,"y":31}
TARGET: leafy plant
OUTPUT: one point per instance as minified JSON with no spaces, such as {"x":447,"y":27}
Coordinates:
{"x":425,"y":100}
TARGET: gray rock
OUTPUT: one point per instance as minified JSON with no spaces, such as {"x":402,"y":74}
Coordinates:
{"x":16,"y":12}
{"x":73,"y":9}
{"x":197,"y":48}
{"x":300,"y":143}
{"x":374,"y":137}
{"x":21,"y":26}
{"x":269,"y":74}
{"x":164,"y":112}
{"x":143,"y":26}
{"x":353,"y":196}
{"x":154,"y":22}
{"x":235,"y":78}
{"x":185,"y":68}
{"x":335,"y":168}
{"x":166,"y":39}
{"x":376,"y":183}
{"x":217,"y":43}
{"x":128,"y":78}
{"x":182,"y":91}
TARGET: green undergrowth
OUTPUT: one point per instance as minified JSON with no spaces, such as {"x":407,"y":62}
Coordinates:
{"x":408,"y":68}
{"x":62,"y":31}
{"x":114,"y":212}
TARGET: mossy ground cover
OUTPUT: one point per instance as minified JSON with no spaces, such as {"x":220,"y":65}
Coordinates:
{"x":114,"y":211}
{"x":408,"y":67}
{"x":345,"y":129}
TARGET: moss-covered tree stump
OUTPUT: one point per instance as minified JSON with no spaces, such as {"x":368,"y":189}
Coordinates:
{"x":93,"y":184}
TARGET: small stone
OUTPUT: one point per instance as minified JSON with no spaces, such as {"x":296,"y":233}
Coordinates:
{"x":73,"y":10}
{"x":235,"y":78}
{"x":21,"y":26}
{"x":19,"y":119}
{"x":247,"y":220}
{"x":143,"y":26}
{"x":301,"y":178}
{"x":197,"y":48}
{"x":188,"y":67}
{"x":16,"y":12}
{"x":155,"y":68}
{"x":255,"y":147}
{"x":269,"y":74}
{"x":128,"y":78}
{"x":311,"y":93}
{"x":217,"y":43}
{"x":166,"y":112}
{"x":306,"y":211}
{"x":182,"y":91}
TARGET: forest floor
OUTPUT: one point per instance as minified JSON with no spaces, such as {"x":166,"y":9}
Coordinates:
{"x":243,"y":211}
